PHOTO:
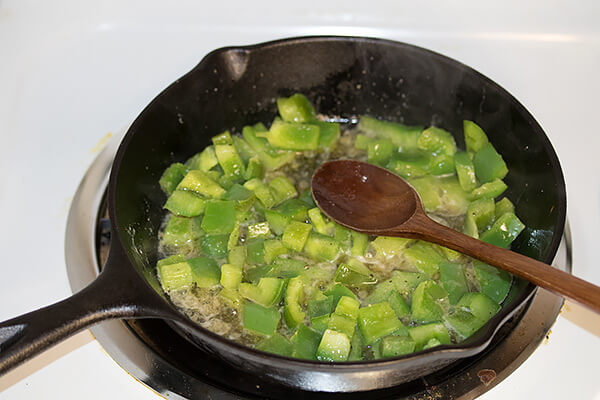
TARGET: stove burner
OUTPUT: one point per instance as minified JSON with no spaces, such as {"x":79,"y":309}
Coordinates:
{"x":170,"y":365}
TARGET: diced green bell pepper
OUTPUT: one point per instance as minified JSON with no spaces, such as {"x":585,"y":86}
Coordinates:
{"x":406,"y":282}
{"x":295,"y":209}
{"x":267,"y":292}
{"x":379,"y":151}
{"x":183,"y":234}
{"x":386,"y":246}
{"x":321,"y":247}
{"x":489,"y":164}
{"x":475,"y":137}
{"x":215,"y":245}
{"x":334,"y":346}
{"x":277,"y":221}
{"x":317,"y":219}
{"x":376,"y":321}
{"x":259,"y":319}
{"x":296,"y":108}
{"x":293,"y":136}
{"x":441,"y":164}
{"x":398,"y":305}
{"x":171,"y":177}
{"x":270,"y":157}
{"x":504,"y":231}
{"x":320,"y":323}
{"x":262,"y":192}
{"x":395,"y":346}
{"x":453,"y":279}
{"x":428,"y":302}
{"x":255,"y":251}
{"x":305,"y":343}
{"x":237,"y":256}
{"x":463,"y":322}
{"x":329,"y":134}
{"x":231,"y":275}
{"x":274,"y":248}
{"x":230,"y":160}
{"x":410,"y":167}
{"x":424,"y":257}
{"x":494,"y":282}
{"x":276,"y":344}
{"x":504,"y":206}
{"x":360,"y":241}
{"x":465,"y":171}
{"x":479,"y":305}
{"x":424,"y":333}
{"x":403,"y":136}
{"x":488,"y":190}
{"x":282,"y":189}
{"x":356,"y":275}
{"x":436,"y":140}
{"x":294,"y":294}
{"x":337,"y":291}
{"x":199,"y":182}
{"x":204,"y":161}
{"x":219,"y":217}
{"x":232,"y":298}
{"x":185,"y":203}
{"x":295,"y":235}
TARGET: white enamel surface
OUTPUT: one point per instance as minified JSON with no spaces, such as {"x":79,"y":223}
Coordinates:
{"x":73,"y":72}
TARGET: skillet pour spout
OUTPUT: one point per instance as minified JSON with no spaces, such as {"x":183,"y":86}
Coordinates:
{"x":343,"y":76}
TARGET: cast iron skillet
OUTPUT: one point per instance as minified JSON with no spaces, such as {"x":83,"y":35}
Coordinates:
{"x":344,"y":77}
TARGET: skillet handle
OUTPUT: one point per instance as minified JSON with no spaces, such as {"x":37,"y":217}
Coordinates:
{"x":118,"y":292}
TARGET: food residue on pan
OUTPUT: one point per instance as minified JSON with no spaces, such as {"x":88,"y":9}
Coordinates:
{"x":101,"y":143}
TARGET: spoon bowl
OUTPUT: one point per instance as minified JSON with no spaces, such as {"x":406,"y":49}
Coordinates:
{"x":364,"y":197}
{"x":373,"y":200}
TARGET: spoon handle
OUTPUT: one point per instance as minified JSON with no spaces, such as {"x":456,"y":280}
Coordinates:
{"x":422,"y":227}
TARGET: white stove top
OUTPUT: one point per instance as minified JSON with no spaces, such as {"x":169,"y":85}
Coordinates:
{"x":72,"y":72}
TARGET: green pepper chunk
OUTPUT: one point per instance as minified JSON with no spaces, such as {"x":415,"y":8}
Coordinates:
{"x":494,"y":282}
{"x":424,"y":257}
{"x":436,"y":140}
{"x":504,"y":231}
{"x":428,"y":302}
{"x":267,"y":292}
{"x":465,"y":171}
{"x":402,"y":136}
{"x":454,"y":281}
{"x":293,"y":136}
{"x":475,"y":137}
{"x":263,"y":320}
{"x":376,"y":321}
{"x":219,"y":217}
{"x":171,"y":177}
{"x":424,"y":333}
{"x":489,"y":165}
{"x":293,"y":314}
{"x":379,"y":151}
{"x":183,"y":234}
{"x":305,"y":343}
{"x":204,"y":161}
{"x":200,"y":182}
{"x":296,"y":108}
{"x":394,"y":346}
{"x":334,"y":346}
{"x":295,"y":235}
{"x":185,"y":203}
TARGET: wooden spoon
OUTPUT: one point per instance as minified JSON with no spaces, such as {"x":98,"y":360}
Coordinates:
{"x":372,"y":200}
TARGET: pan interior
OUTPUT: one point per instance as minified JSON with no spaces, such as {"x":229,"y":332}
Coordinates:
{"x":345,"y":78}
